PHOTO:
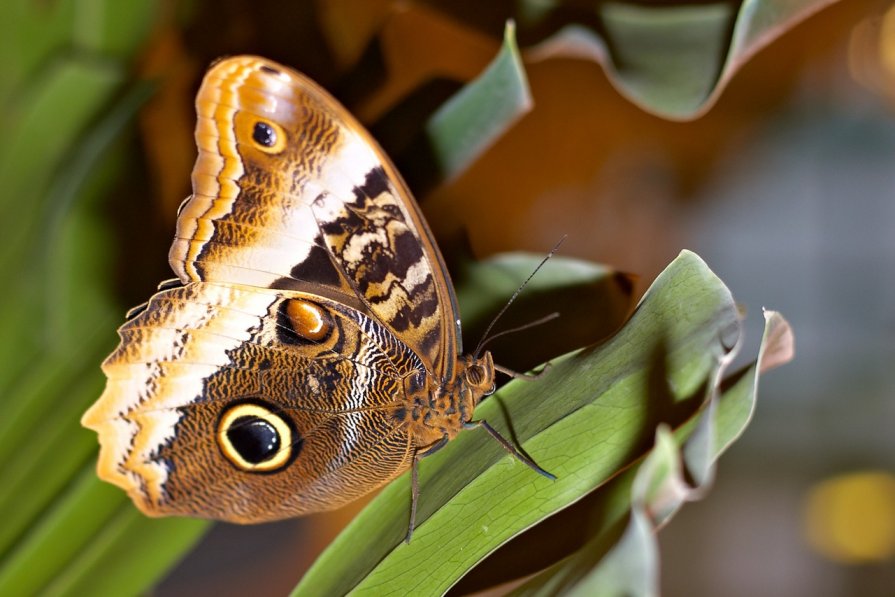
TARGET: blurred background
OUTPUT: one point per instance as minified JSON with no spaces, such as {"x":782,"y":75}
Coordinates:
{"x":775,"y":167}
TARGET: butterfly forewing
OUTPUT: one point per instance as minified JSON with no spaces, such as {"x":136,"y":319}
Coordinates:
{"x":291,"y":192}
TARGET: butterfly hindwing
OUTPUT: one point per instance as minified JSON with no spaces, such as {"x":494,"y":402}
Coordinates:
{"x":202,"y":351}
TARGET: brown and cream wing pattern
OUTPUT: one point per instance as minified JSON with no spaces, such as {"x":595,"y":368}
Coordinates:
{"x":202,"y":360}
{"x":290,"y":192}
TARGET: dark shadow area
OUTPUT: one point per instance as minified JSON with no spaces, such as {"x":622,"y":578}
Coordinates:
{"x":287,"y":32}
{"x":142,"y":233}
{"x":588,"y":314}
{"x":231,"y":558}
{"x":402,"y":133}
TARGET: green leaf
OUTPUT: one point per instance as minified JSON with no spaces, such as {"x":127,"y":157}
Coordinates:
{"x":54,"y":111}
{"x":470,"y":121}
{"x":591,"y":416}
{"x":657,"y":488}
{"x":672,"y":59}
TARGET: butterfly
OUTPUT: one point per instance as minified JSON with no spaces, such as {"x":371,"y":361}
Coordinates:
{"x":309,"y":350}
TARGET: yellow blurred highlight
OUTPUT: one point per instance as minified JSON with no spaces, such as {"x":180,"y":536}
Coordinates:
{"x":871,"y":52}
{"x":851,"y":518}
{"x":887,"y":41}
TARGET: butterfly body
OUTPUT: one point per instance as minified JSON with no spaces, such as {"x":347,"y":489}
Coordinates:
{"x":310,"y":351}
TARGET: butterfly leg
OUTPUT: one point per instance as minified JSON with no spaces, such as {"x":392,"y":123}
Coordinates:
{"x":414,"y":481}
{"x":509,"y":447}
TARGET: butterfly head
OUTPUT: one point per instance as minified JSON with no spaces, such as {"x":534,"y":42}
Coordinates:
{"x":478,"y":374}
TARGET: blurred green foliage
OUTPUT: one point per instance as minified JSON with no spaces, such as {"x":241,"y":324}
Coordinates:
{"x":69,"y":101}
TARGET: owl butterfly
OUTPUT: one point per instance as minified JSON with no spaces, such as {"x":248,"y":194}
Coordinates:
{"x":309,"y":350}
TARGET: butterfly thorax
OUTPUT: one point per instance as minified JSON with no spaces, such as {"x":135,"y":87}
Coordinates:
{"x":437,"y":409}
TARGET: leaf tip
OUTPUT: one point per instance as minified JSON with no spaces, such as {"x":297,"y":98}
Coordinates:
{"x":779,"y":342}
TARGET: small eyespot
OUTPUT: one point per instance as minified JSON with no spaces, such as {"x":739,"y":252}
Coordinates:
{"x":256,"y":439}
{"x":303,"y":322}
{"x":264,"y":134}
{"x":269,"y":137}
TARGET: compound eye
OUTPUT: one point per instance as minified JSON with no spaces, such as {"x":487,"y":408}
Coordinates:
{"x":480,"y":378}
{"x":257,"y":439}
{"x":475,"y":375}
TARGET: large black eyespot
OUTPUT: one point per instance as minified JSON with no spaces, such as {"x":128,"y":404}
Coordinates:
{"x":257,"y":439}
{"x":264,"y":134}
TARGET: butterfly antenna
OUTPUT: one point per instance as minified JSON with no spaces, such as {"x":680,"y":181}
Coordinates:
{"x":485,"y":339}
{"x":519,"y":328}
